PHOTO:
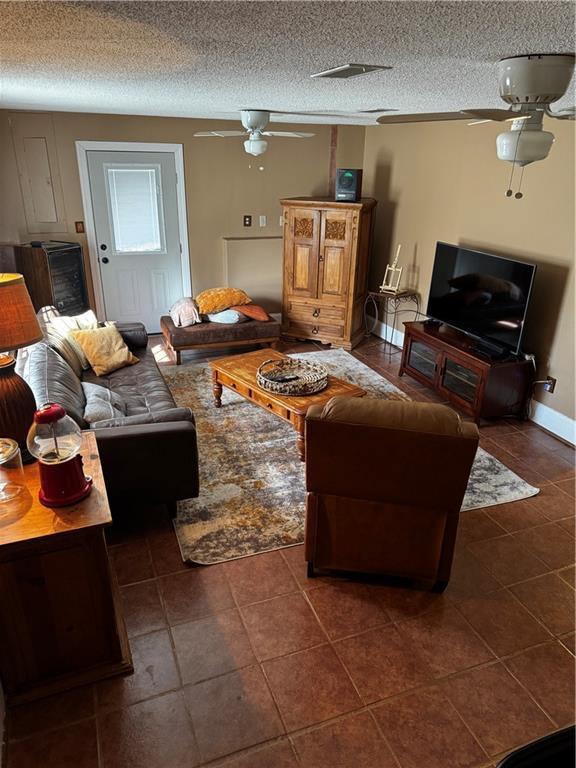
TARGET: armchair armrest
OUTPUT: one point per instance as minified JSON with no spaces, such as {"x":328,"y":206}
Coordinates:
{"x":156,"y":462}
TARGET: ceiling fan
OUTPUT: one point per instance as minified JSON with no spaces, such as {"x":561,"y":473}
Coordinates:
{"x":529,"y":84}
{"x":256,"y":120}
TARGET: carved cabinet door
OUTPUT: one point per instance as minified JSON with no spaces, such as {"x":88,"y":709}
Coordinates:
{"x":301,"y":257}
{"x":335,"y":255}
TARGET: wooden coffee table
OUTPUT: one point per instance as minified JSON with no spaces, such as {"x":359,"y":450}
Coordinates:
{"x":238,"y":373}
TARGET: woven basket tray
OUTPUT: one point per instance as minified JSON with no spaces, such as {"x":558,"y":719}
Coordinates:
{"x":277,"y":376}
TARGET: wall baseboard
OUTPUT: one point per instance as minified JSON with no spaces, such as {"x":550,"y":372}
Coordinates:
{"x":547,"y":418}
{"x":553,"y":421}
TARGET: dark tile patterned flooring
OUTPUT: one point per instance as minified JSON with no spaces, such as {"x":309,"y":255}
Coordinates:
{"x":250,"y":664}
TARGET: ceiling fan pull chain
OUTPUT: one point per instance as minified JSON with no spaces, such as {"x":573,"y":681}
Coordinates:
{"x":509,"y":192}
{"x":519,"y":194}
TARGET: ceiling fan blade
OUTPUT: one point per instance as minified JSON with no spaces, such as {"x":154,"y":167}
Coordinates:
{"x":344,"y":113}
{"x":422,"y":117}
{"x":221,"y":134}
{"x":289,"y":134}
{"x":568,"y":113}
{"x":507,"y":120}
{"x":498,"y":115}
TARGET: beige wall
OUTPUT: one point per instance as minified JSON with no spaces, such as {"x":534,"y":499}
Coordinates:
{"x":222,"y":181}
{"x":442,"y":181}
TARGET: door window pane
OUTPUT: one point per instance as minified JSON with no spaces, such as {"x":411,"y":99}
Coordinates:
{"x":136,"y":217}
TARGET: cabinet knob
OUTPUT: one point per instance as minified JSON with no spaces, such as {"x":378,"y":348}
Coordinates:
{"x":316,"y":313}
{"x":315,"y":329}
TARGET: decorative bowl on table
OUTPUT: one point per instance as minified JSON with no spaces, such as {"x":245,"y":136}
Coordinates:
{"x":292,"y":377}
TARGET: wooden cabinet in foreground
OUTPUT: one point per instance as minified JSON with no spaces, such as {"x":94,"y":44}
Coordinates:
{"x":326,"y":259}
{"x":60,"y":620}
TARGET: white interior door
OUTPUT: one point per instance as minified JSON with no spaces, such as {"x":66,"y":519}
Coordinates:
{"x":135,"y":208}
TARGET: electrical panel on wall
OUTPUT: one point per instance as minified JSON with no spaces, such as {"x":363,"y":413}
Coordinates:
{"x":38,"y":171}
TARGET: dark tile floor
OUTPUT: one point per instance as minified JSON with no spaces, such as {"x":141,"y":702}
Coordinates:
{"x":251,"y":665}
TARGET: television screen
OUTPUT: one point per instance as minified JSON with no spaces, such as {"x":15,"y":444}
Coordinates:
{"x":480,"y":294}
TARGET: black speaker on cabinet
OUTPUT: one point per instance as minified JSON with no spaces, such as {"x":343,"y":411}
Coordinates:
{"x":348,"y":184}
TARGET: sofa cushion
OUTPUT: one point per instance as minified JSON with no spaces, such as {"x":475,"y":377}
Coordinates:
{"x":155,"y":417}
{"x":105,"y":349}
{"x":102,"y":403}
{"x":52,"y":380}
{"x":141,"y":387}
{"x":218,"y":299}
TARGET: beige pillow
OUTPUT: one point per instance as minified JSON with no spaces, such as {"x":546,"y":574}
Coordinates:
{"x":105,"y":349}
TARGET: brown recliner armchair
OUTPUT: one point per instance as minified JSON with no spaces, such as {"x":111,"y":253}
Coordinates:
{"x":385,"y":482}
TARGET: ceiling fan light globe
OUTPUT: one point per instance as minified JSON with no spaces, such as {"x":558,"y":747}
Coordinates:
{"x":255,"y":146}
{"x":523,"y":147}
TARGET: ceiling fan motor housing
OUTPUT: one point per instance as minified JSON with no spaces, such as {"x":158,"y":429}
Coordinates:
{"x":254,"y":120}
{"x":535,"y":79}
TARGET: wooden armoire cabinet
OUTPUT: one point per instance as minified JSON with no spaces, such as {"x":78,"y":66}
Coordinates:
{"x":326,"y":259}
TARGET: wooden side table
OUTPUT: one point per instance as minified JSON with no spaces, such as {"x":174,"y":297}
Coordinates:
{"x":60,"y":619}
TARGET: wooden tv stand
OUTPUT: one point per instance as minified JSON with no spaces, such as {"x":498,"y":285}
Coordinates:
{"x":447,"y":361}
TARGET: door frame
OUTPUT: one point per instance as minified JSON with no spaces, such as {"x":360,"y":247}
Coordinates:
{"x":177,"y":150}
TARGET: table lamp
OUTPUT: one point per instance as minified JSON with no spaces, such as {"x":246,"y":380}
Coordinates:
{"x":19,"y":328}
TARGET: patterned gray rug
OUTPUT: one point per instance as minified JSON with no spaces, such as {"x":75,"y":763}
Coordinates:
{"x":251,"y":481}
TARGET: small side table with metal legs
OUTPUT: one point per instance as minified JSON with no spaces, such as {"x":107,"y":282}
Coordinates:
{"x":391,"y":304}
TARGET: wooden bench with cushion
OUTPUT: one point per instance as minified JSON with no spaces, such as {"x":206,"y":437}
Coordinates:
{"x":213,"y":335}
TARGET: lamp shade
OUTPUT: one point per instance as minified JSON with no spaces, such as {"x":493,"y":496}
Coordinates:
{"x":19,"y":326}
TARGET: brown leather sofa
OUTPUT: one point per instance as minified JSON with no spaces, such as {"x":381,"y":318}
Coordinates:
{"x":385,"y":482}
{"x":149,"y":452}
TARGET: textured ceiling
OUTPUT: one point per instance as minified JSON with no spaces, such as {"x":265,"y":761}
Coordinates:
{"x":209,"y":59}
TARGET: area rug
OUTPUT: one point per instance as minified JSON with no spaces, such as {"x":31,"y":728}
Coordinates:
{"x":251,"y":481}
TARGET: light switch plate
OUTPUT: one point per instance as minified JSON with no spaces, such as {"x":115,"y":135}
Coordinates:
{"x":262,"y":220}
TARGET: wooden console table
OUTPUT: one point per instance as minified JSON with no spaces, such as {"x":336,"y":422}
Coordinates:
{"x":60,"y":619}
{"x":448,"y":362}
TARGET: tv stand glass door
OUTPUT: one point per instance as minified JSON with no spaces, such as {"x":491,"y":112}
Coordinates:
{"x":458,"y":380}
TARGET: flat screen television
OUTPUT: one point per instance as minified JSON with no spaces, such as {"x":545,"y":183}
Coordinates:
{"x":481,"y":294}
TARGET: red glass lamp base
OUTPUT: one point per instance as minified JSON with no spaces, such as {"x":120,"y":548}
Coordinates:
{"x":63,"y":484}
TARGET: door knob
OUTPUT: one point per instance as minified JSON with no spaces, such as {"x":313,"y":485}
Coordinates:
{"x":105,"y":259}
{"x":103,"y":247}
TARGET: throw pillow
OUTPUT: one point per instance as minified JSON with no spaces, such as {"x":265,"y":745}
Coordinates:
{"x":105,"y":349}
{"x":217,"y":299}
{"x":254,"y":312}
{"x":58,"y":340}
{"x":102,"y":403}
{"x":184,"y":313}
{"x":64,"y":324}
{"x":227,"y":316}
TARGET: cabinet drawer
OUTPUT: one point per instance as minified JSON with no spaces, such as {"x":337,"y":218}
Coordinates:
{"x":237,"y":386}
{"x":312,"y":328}
{"x":316,"y":312}
{"x":262,"y":400}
